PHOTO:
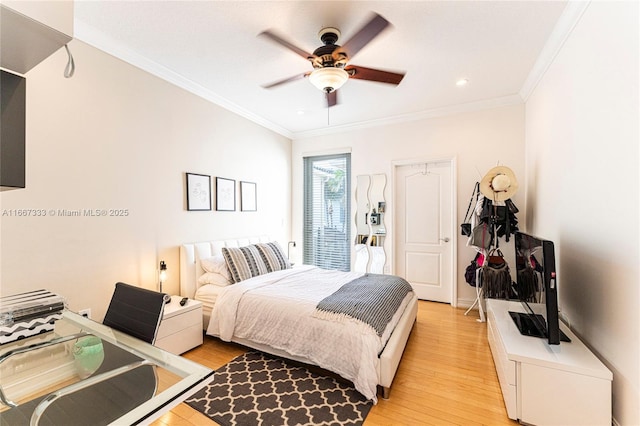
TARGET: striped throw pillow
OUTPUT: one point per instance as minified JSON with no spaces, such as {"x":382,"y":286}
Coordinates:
{"x":273,"y":256}
{"x":244,"y":262}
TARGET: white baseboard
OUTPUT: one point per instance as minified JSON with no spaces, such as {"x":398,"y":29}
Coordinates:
{"x":466,"y":303}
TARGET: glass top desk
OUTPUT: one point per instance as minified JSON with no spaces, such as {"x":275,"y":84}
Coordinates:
{"x":84,"y":372}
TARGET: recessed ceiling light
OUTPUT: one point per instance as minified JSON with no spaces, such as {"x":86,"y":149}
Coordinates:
{"x":462,"y":82}
{"x":300,"y":112}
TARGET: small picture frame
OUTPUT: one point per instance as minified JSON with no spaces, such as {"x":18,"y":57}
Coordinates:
{"x":248,"y":197}
{"x":198,"y":192}
{"x":225,"y":195}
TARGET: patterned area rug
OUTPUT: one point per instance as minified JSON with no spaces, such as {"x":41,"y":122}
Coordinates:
{"x":258,"y":389}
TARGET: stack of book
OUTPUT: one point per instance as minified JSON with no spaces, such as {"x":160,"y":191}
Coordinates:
{"x":27,"y":314}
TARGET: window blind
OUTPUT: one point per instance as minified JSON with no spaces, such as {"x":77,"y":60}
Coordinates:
{"x":327,"y":211}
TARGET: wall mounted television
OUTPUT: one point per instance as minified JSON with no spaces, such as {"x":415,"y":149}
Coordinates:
{"x":537,"y":289}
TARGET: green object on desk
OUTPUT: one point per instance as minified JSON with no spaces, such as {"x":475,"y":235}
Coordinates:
{"x":108,"y":395}
{"x":88,"y":353}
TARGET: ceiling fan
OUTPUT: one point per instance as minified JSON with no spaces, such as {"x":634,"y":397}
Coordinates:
{"x":331,"y":68}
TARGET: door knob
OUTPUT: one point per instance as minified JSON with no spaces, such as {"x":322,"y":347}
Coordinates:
{"x":445,"y":239}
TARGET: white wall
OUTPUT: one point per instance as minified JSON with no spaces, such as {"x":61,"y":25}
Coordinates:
{"x":582,"y":187}
{"x":478,"y":141}
{"x":115,"y":137}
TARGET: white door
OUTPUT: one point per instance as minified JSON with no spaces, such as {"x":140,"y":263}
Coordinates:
{"x":424,"y":233}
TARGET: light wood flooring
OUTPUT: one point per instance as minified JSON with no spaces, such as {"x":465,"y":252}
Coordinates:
{"x":446,"y":376}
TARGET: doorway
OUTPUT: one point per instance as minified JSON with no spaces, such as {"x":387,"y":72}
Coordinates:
{"x":424,"y":242}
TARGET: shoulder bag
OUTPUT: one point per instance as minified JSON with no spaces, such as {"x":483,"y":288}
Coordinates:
{"x":465,"y":227}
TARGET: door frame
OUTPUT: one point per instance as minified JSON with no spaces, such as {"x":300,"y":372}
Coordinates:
{"x":452,"y":160}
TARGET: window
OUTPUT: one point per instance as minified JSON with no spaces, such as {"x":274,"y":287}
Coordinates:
{"x":327,"y":211}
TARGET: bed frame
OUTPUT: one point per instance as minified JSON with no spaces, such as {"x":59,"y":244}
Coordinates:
{"x":191,"y":269}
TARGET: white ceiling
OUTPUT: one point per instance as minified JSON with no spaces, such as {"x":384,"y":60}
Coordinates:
{"x":211,"y":48}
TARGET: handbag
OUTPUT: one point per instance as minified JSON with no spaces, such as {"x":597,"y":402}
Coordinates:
{"x":470,"y":271}
{"x":465,"y":227}
{"x":496,"y":276}
{"x":481,"y":236}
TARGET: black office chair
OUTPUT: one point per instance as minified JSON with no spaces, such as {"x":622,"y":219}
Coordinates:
{"x":135,"y":311}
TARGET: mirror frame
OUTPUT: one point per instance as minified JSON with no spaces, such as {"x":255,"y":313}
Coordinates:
{"x":371,"y":207}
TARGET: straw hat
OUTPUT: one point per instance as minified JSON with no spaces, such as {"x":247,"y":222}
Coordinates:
{"x":499,"y":184}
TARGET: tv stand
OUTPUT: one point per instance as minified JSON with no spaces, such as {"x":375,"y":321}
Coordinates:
{"x":546,"y":384}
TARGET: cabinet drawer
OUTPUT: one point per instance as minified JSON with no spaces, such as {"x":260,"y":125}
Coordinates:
{"x":178,"y":343}
{"x":179,"y":322}
{"x":552,"y":396}
{"x":506,"y":369}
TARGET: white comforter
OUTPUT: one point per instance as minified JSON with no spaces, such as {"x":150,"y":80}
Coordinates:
{"x":277,"y":310}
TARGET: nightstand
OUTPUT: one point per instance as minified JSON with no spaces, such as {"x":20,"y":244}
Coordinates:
{"x":181,"y":326}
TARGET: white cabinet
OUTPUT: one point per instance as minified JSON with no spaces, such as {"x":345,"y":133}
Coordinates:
{"x":181,"y":326}
{"x":57,"y":14}
{"x":13,"y":91}
{"x":30,"y":31}
{"x":546,"y":384}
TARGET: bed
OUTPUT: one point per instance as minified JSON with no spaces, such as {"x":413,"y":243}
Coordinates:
{"x":243,"y":313}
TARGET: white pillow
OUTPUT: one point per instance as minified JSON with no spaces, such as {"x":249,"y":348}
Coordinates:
{"x":214,"y":278}
{"x":216,"y":265}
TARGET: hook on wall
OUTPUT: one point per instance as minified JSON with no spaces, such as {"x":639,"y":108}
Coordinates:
{"x":424,"y":172}
{"x":71,"y":66}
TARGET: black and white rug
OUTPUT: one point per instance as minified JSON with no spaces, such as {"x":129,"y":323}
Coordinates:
{"x":259,"y":389}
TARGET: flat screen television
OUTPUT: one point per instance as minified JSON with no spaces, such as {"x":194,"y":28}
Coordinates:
{"x":537,"y":289}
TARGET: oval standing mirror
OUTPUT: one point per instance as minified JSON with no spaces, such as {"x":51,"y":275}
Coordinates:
{"x":378,"y":230}
{"x":362,"y":223}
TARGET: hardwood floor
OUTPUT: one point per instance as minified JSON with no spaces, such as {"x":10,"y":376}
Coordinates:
{"x":446,"y":376}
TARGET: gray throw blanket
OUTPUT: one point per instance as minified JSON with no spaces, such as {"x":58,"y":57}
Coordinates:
{"x":372,"y":299}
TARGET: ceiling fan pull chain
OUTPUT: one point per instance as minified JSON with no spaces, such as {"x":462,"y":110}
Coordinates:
{"x":328,"y":109}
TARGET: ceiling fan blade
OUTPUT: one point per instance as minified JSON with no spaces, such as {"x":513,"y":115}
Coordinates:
{"x":285,"y":43}
{"x":332,"y":99}
{"x":286,"y":80}
{"x":360,"y":39}
{"x":362,"y":73}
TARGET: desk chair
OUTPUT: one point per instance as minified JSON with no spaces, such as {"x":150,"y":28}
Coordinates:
{"x":135,"y":311}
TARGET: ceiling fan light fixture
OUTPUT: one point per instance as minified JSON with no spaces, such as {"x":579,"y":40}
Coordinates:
{"x":328,"y":79}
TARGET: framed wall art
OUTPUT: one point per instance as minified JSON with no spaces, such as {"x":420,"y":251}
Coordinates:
{"x":248,"y":197}
{"x":198,"y":192}
{"x":225,"y":194}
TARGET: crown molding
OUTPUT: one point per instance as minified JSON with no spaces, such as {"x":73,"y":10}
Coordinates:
{"x":422,"y":115}
{"x":99,"y":40}
{"x":564,"y":27}
{"x":567,"y":22}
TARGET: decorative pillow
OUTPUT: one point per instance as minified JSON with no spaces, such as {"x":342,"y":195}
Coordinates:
{"x":215,"y":279}
{"x":244,"y":262}
{"x":216,"y":265}
{"x":273,"y":256}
